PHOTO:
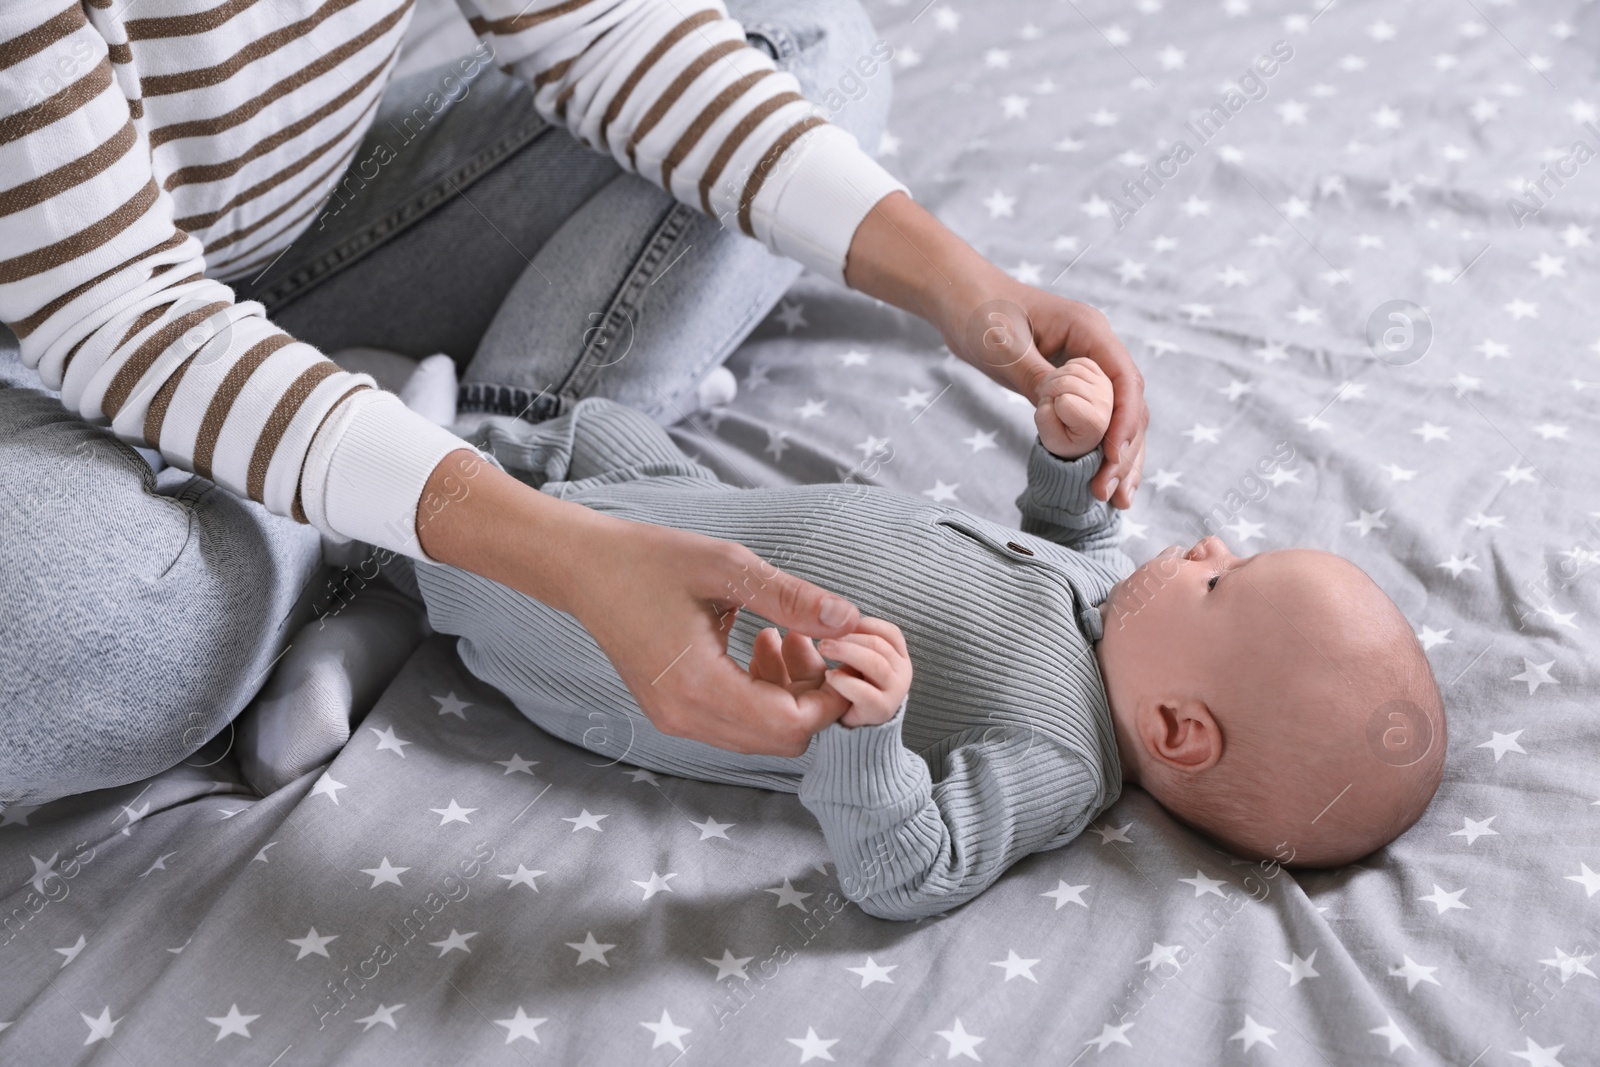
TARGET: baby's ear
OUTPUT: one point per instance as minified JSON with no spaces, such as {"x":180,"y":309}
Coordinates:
{"x":1181,"y":733}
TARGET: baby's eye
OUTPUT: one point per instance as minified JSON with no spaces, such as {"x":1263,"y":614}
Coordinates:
{"x":1212,"y":582}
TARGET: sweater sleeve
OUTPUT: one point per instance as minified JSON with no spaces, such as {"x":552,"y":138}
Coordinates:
{"x":110,"y":302}
{"x":907,"y":846}
{"x":1058,"y":506}
{"x":675,"y":94}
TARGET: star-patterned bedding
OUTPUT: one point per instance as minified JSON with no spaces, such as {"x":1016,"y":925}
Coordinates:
{"x":1370,"y":260}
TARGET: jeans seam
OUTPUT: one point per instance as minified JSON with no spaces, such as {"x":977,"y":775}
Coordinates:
{"x":411,"y":211}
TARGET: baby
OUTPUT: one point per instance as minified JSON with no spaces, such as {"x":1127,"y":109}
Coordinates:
{"x":1280,"y":703}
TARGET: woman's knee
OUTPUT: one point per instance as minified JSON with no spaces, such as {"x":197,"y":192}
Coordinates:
{"x":131,"y":621}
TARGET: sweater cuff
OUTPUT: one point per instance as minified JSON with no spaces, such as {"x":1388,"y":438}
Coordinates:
{"x":366,"y":470}
{"x":862,"y":766}
{"x":1058,"y":489}
{"x":816,"y":202}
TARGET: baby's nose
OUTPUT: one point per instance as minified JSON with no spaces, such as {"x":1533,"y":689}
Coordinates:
{"x":1205,"y":548}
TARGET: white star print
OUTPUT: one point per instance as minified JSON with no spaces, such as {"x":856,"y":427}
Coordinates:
{"x":516,"y":764}
{"x":1065,"y":894}
{"x":1014,"y":107}
{"x":1000,"y":205}
{"x":854,"y":358}
{"x":1480,"y":521}
{"x":160,"y":864}
{"x":1244,"y":530}
{"x":1111,"y":1035}
{"x":102,"y":1026}
{"x":232,"y":1023}
{"x":941,"y":492}
{"x":1386,"y":118}
{"x":454,"y":941}
{"x":667,"y":1033}
{"x":1292,"y":112}
{"x":385,"y":872}
{"x":1549,"y":266}
{"x":1575,"y":236}
{"x":1586,"y":878}
{"x":1535,"y":674}
{"x":871,"y":972}
{"x":1129,"y":271}
{"x":1431,"y":637}
{"x":16,"y":814}
{"x":387,"y":740}
{"x":1569,"y":964}
{"x":712,"y":828}
{"x":384,"y":1015}
{"x":328,"y":787}
{"x":312,"y":944}
{"x":453,"y":813}
{"x":1398,"y":473}
{"x":788,"y":894}
{"x":522,"y":876}
{"x":450,"y":704}
{"x":1160,"y":954}
{"x":1456,"y":565}
{"x":1103,"y":118}
{"x":1538,"y":1056}
{"x":1284,"y":474}
{"x":71,"y":951}
{"x":790,"y":315}
{"x":1203,"y":885}
{"x":1016,"y":966}
{"x":1429,"y":432}
{"x":519,"y":1025}
{"x":1271,"y":352}
{"x":1231,"y":276}
{"x":1368,"y":521}
{"x":1522,"y":309}
{"x":813,"y":1047}
{"x":1298,"y":968}
{"x":729,"y":966}
{"x":1514,"y":474}
{"x":656,"y":884}
{"x":1392,"y":1033}
{"x":1199,"y":432}
{"x":1253,"y":1032}
{"x":812,"y":408}
{"x":1549,"y":431}
{"x":585,"y":821}
{"x":1445,"y":901}
{"x":961,"y":1042}
{"x":979,"y":440}
{"x":591,"y":950}
{"x":43,"y":871}
{"x":1109,"y":833}
{"x":1413,"y":972}
{"x":1195,"y":207}
{"x":1503,"y":743}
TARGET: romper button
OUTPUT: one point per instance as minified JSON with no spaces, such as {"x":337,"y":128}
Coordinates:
{"x":1013,"y":546}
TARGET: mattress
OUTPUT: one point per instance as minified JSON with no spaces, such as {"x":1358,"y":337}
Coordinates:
{"x":1370,"y":260}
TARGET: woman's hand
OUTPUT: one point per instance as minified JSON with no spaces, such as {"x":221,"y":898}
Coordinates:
{"x":659,"y":602}
{"x":1014,"y":333}
{"x":874,"y":676}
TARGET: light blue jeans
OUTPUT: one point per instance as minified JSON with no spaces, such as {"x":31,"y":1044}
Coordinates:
{"x":138,"y":616}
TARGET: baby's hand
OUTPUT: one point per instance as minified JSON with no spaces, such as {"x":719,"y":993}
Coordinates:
{"x":876,"y":674}
{"x":1074,"y":408}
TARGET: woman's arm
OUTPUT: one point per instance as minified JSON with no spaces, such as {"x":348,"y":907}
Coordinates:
{"x":660,"y":602}
{"x":1012,"y":332}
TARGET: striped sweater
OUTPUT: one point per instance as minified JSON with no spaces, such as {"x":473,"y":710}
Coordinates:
{"x":151,"y":150}
{"x":1004,"y":745}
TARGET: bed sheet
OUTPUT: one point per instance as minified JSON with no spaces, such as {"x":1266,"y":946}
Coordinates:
{"x":457,"y":887}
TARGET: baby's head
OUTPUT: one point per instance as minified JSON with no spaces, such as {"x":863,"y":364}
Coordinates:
{"x":1279,"y":703}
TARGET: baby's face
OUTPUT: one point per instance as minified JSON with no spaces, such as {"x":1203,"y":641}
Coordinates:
{"x":1178,"y":600}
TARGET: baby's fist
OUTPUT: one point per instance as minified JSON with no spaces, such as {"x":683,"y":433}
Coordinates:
{"x":1074,"y":408}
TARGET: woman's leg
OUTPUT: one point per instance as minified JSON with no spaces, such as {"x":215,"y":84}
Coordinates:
{"x":637,"y":297}
{"x":135,"y":621}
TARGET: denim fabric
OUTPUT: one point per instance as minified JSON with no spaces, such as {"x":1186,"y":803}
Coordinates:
{"x":547,"y":271}
{"x":138,"y":616}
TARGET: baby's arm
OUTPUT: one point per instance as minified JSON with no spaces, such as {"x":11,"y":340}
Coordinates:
{"x":1057,"y":504}
{"x":904,"y":846}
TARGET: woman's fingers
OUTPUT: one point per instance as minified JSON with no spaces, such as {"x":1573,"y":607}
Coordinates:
{"x":800,"y":656}
{"x":766,"y":658}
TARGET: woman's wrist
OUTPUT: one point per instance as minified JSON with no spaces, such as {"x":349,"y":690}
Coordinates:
{"x":475,"y":516}
{"x":904,"y":256}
